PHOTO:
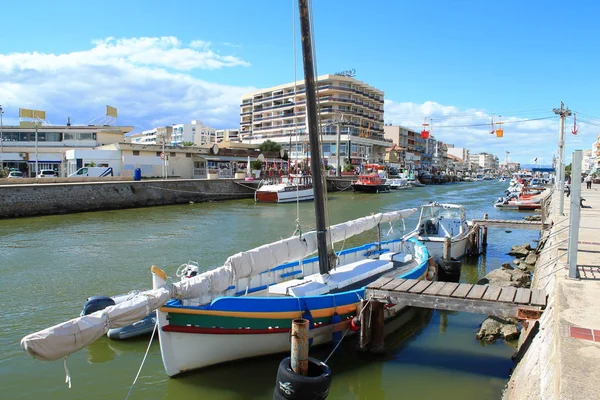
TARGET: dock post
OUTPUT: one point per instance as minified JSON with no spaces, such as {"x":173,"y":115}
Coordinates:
{"x":447,"y":250}
{"x":484,"y":237}
{"x":377,"y":327}
{"x":364,"y":315}
{"x":299,"y":357}
{"x":575,"y":214}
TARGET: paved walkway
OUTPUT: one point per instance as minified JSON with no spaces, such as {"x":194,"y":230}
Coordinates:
{"x":562,"y":361}
{"x":577,"y":308}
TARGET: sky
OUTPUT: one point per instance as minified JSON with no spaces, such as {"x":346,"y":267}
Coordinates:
{"x":456,"y":63}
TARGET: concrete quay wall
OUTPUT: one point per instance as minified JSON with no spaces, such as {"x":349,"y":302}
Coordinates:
{"x":25,"y":200}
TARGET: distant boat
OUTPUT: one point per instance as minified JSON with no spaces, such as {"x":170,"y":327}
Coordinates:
{"x":370,"y":183}
{"x":286,"y":189}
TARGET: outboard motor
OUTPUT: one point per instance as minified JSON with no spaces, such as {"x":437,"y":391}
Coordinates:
{"x":96,"y":303}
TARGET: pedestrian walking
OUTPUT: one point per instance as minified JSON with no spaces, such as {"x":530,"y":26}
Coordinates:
{"x":588,"y":181}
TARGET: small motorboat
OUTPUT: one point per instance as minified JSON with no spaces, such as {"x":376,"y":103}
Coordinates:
{"x":285,"y":190}
{"x":515,"y":203}
{"x":398,"y":183}
{"x":370,"y":183}
{"x":139,"y":328}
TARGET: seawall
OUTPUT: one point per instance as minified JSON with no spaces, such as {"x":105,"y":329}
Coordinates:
{"x":26,"y":200}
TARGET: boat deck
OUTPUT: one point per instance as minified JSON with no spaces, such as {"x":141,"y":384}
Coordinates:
{"x":397,"y":270}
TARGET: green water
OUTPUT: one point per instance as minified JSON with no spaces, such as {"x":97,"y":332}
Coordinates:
{"x":50,"y":265}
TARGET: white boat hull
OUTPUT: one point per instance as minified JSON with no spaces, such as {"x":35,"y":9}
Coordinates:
{"x":435,"y":245}
{"x":183,"y":352}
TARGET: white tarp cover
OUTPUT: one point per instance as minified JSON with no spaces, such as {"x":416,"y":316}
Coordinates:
{"x":63,"y":339}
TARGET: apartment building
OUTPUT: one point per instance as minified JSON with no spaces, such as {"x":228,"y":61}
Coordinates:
{"x":459,"y":152}
{"x":279,"y":114}
{"x":416,"y":157}
{"x":227,"y":135}
{"x":484,"y":161}
{"x":175,"y":135}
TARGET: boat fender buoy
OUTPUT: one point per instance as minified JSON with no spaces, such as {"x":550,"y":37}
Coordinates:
{"x":336,"y":336}
{"x":315,"y":385}
{"x":355,"y":324}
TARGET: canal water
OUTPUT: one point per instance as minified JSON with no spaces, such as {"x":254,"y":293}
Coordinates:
{"x":50,"y":265}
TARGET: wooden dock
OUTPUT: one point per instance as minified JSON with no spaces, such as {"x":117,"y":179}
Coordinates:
{"x":483,"y":299}
{"x":509,"y":223}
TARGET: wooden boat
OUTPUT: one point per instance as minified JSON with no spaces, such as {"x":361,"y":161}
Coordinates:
{"x":370,"y":183}
{"x":245,"y":307}
{"x":291,"y":188}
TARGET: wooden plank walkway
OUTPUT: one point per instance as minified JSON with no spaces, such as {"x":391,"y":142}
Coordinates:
{"x":509,"y":223}
{"x":482,"y":299}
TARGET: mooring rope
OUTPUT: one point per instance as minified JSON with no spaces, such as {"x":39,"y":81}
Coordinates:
{"x":143,"y":360}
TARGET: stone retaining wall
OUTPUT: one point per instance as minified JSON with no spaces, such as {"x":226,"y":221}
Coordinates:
{"x":24,"y":200}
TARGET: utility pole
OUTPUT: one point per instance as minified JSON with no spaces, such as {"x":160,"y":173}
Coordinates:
{"x":37,"y":171}
{"x":563,"y":113}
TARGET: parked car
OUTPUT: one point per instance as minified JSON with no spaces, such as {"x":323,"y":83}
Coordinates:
{"x":15,"y":174}
{"x":47,"y":173}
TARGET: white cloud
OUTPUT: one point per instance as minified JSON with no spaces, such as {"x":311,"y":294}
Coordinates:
{"x":147,"y":79}
{"x":471,"y":128}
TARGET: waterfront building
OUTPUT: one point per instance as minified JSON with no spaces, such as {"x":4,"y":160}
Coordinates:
{"x":412,"y":141}
{"x":459,"y":152}
{"x":227,"y":135}
{"x":596,"y":155}
{"x":484,"y":161}
{"x":194,"y":132}
{"x":22,"y":147}
{"x":587,"y":162}
{"x":279,"y":114}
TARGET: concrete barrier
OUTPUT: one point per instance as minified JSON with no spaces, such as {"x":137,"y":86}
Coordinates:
{"x":31,"y":199}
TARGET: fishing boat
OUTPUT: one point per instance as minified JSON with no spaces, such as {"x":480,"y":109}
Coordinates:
{"x":245,"y":307}
{"x":286,"y":189}
{"x":439,"y":221}
{"x":370,"y":183}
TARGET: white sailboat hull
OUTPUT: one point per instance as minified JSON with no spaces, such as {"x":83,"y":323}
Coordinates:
{"x":183,"y":352}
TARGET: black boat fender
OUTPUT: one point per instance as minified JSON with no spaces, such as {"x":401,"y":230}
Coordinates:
{"x":314,"y":386}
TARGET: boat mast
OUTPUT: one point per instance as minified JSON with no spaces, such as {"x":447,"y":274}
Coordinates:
{"x":313,"y":134}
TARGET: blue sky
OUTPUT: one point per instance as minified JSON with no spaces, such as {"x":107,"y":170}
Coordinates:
{"x":456,"y":62}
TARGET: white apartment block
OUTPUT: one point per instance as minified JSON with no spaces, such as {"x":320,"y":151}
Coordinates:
{"x":459,"y":152}
{"x":279,"y":114}
{"x":484,"y":161}
{"x":176,"y":134}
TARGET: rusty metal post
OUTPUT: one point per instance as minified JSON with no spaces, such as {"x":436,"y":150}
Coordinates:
{"x":484,"y":238}
{"x":299,"y":357}
{"x":447,"y":250}
{"x":377,"y":327}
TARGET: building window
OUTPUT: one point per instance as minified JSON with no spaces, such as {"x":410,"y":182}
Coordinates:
{"x":158,"y":153}
{"x":136,"y":152}
{"x":172,"y":154}
{"x":188,"y":155}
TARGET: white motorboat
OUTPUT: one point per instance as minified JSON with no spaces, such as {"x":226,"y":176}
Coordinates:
{"x":438,"y":221}
{"x":286,"y":189}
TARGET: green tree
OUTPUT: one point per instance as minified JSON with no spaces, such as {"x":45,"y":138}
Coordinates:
{"x":269,"y":146}
{"x":187,"y":144}
{"x":256,"y":164}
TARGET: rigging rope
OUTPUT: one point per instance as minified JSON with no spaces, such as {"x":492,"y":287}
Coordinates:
{"x":143,"y":360}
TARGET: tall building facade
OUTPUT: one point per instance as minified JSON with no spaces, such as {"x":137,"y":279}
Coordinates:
{"x":416,"y":157}
{"x":279,"y":114}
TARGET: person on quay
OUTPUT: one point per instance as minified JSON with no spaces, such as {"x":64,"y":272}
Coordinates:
{"x":588,"y":181}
